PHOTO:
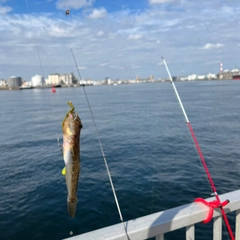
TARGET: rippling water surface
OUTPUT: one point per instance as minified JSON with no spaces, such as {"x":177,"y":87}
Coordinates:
{"x":150,"y":153}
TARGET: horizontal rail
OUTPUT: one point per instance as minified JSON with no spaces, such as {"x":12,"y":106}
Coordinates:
{"x":162,"y":222}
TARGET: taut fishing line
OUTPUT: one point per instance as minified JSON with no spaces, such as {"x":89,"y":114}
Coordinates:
{"x":39,"y":58}
{"x":40,"y":62}
{"x":89,"y":106}
{"x":217,"y":203}
{"x":101,"y":147}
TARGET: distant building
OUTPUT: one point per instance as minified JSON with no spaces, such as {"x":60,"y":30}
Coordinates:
{"x":108,"y":80}
{"x":201,"y":77}
{"x":37,"y":81}
{"x":53,"y":79}
{"x":14,"y":82}
{"x":66,"y":79}
{"x":175,"y":78}
{"x":57,"y":79}
{"x":3,"y":83}
{"x":192,"y":77}
{"x":211,"y":76}
{"x":183,"y":78}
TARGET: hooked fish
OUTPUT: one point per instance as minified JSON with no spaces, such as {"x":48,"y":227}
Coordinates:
{"x":71,"y":127}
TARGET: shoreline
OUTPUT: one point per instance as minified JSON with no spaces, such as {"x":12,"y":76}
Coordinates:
{"x":64,"y":86}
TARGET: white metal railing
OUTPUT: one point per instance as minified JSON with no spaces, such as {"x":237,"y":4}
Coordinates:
{"x":155,"y":225}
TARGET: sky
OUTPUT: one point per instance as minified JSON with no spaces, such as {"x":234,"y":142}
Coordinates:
{"x":119,"y":39}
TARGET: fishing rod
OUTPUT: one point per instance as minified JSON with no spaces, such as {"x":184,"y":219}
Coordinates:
{"x":101,"y":147}
{"x":217,"y":203}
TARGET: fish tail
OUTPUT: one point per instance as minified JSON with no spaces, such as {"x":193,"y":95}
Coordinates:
{"x":72,"y":206}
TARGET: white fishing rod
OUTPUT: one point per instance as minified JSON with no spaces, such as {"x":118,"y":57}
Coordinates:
{"x":101,"y":147}
{"x":217,"y":203}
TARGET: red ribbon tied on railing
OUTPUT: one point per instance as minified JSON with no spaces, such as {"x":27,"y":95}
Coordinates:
{"x":211,"y":205}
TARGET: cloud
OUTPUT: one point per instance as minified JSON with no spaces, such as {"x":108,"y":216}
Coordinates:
{"x":134,"y":36}
{"x":82,"y":67}
{"x":4,"y":9}
{"x":133,"y":66}
{"x":211,"y":62}
{"x":160,"y":1}
{"x":57,"y":31}
{"x":132,"y":39}
{"x":75,"y":4}
{"x":100,"y":33}
{"x":211,"y":46}
{"x":98,"y":13}
{"x":104,"y":64}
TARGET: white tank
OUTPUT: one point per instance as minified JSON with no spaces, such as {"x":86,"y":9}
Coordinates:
{"x":37,"y":81}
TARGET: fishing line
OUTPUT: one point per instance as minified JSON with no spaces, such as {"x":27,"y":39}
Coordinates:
{"x":35,"y":40}
{"x":219,"y":203}
{"x":101,"y":147}
{"x":40,"y":63}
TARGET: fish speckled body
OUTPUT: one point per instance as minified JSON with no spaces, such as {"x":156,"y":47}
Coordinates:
{"x":71,"y":127}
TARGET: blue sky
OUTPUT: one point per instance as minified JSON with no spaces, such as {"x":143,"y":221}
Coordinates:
{"x":118,"y":39}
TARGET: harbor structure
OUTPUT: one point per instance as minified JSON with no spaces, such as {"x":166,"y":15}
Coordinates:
{"x":53,"y":79}
{"x":37,"y":81}
{"x":58,"y":79}
{"x":3,"y":83}
{"x":221,"y":70}
{"x":228,"y":74}
{"x":14,"y":82}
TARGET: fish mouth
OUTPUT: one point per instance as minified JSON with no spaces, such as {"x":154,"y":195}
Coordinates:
{"x":72,"y":116}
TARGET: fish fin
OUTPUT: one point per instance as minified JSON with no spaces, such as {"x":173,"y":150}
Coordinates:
{"x":64,"y":171}
{"x":72,"y":206}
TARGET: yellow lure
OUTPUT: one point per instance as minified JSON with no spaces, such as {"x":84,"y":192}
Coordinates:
{"x":64,"y":171}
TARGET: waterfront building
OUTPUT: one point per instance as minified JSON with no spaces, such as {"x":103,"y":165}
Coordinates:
{"x":14,"y":82}
{"x":67,"y":79}
{"x":3,"y":83}
{"x":53,"y":79}
{"x":57,"y":79}
{"x":192,"y":77}
{"x":211,"y":76}
{"x":201,"y":77}
{"x":37,"y":81}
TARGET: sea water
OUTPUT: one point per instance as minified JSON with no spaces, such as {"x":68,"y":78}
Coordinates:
{"x":150,"y":153}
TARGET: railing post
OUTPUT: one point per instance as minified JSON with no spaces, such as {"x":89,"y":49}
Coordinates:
{"x":217,"y":228}
{"x":190,"y":232}
{"x":237,"y":231}
{"x":159,"y":237}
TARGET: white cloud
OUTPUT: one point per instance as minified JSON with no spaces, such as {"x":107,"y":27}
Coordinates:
{"x":117,"y":67}
{"x":98,"y":13}
{"x":134,"y":36}
{"x":100,"y":33}
{"x":75,"y":4}
{"x":4,"y":9}
{"x":160,"y":1}
{"x":211,"y":62}
{"x":104,"y":64}
{"x":133,"y":66}
{"x":211,"y":46}
{"x":82,"y":67}
{"x":180,"y":35}
{"x":57,"y":31}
